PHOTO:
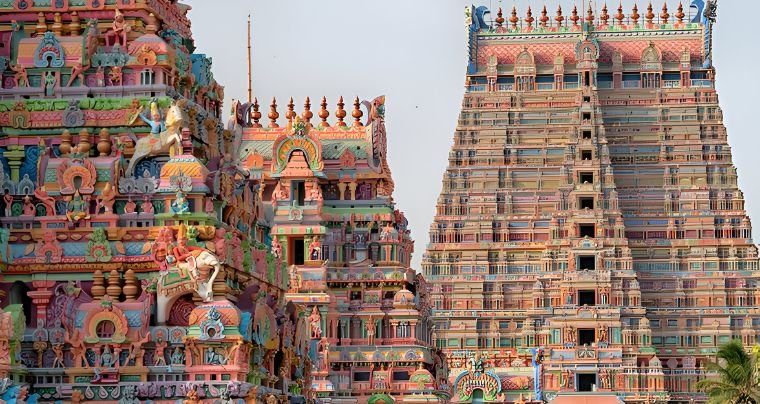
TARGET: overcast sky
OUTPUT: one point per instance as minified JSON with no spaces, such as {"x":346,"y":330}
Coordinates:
{"x":414,"y":52}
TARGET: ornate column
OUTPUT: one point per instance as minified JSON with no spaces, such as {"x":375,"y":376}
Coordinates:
{"x":15,"y":155}
{"x":41,"y":297}
{"x":352,"y":188}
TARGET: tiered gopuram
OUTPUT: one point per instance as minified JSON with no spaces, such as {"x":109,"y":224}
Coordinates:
{"x":327,"y":192}
{"x":590,"y":237}
{"x":133,"y":268}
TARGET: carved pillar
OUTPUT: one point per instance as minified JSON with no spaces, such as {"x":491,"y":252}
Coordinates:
{"x":342,"y":189}
{"x":15,"y":155}
{"x":41,"y":297}
{"x":352,"y":188}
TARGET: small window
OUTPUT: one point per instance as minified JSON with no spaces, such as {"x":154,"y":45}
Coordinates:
{"x":586,"y":98}
{"x":587,"y":116}
{"x":105,"y":329}
{"x":297,"y":258}
{"x":586,"y":336}
{"x":356,"y":295}
{"x":586,"y":203}
{"x":587,"y":178}
{"x":586,"y":297}
{"x":586,"y":262}
{"x":587,"y":230}
{"x":401,"y":376}
{"x":299,"y":192}
{"x":587,"y":134}
{"x":586,"y":155}
{"x":361,"y":376}
{"x":673,"y":323}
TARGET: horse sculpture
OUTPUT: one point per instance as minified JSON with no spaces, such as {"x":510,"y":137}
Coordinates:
{"x":169,"y":140}
{"x":182,"y":277}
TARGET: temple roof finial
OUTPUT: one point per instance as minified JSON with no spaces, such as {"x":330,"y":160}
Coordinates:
{"x":340,"y":113}
{"x":559,"y":18}
{"x":273,"y":114}
{"x":307,"y":114}
{"x":499,"y":18}
{"x":605,"y":16}
{"x":635,"y":16}
{"x":544,"y":18}
{"x":680,"y":14}
{"x":620,"y":16}
{"x":574,"y":18}
{"x":323,"y":113}
{"x":256,"y":115}
{"x":590,"y":14}
{"x":650,"y":14}
{"x":290,"y":114}
{"x":357,"y":114}
{"x":514,"y":18}
{"x":529,"y":18}
{"x":664,"y":16}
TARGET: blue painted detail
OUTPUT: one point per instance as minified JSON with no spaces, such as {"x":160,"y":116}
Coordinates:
{"x":478,"y":22}
{"x":202,"y":69}
{"x":537,"y":359}
{"x":245,"y":325}
{"x":700,"y":6}
{"x":133,"y":318}
{"x":49,"y":52}
{"x":148,"y":164}
{"x":73,"y":249}
{"x":79,"y":319}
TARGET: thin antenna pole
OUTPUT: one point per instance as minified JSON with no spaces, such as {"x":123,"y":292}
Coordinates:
{"x":250,"y":83}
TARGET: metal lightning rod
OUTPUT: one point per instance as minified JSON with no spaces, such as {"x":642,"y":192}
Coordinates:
{"x":250,"y":82}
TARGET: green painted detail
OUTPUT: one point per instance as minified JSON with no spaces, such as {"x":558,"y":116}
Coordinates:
{"x":129,"y":378}
{"x":611,"y":28}
{"x":98,"y":104}
{"x":98,"y":248}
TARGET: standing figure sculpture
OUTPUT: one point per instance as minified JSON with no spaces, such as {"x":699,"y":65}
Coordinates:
{"x":118,"y":32}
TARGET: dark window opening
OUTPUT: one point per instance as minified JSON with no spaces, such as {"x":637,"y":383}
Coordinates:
{"x":586,"y":297}
{"x":586,"y":155}
{"x":586,"y":336}
{"x":105,"y":329}
{"x":586,"y":381}
{"x":587,"y":78}
{"x":586,"y":203}
{"x":586,"y":262}
{"x":587,"y":134}
{"x":297,"y":257}
{"x":587,"y":178}
{"x":299,"y":192}
{"x":587,"y":116}
{"x":586,"y":98}
{"x":356,"y":295}
{"x":587,"y":230}
{"x":401,"y":376}
{"x":361,"y":376}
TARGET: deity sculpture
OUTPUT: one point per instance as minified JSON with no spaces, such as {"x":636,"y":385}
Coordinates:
{"x":146,"y":206}
{"x":180,"y":205}
{"x":177,"y":357}
{"x":276,"y":248}
{"x":8,"y":200}
{"x":58,"y":351}
{"x":118,"y":32}
{"x":76,"y":208}
{"x":159,"y":356}
{"x":315,"y":249}
{"x":22,"y":80}
{"x":315,"y":320}
{"x":77,"y":72}
{"x":28,"y":206}
{"x":50,"y":82}
{"x":47,"y":200}
{"x":106,"y":198}
{"x":211,"y":357}
{"x":130,"y":206}
{"x":106,"y":358}
{"x":78,"y":349}
{"x":115,"y":76}
{"x":371,"y":329}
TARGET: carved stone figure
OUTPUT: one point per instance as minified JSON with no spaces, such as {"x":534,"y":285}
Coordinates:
{"x":315,"y":320}
{"x":118,"y":32}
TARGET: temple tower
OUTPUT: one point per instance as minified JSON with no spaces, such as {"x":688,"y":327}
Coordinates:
{"x":590,"y":211}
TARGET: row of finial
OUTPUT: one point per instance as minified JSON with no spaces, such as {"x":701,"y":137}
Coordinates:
{"x":604,"y":18}
{"x":306,"y":115}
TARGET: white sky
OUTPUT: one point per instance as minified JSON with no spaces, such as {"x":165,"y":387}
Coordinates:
{"x":414,"y":52}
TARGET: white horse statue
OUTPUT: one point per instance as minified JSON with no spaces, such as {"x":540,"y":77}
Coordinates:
{"x":169,"y":140}
{"x":182,"y":277}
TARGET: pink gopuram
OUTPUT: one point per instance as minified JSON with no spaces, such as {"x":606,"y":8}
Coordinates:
{"x":132,"y":264}
{"x":590,"y":238}
{"x":338,"y":238}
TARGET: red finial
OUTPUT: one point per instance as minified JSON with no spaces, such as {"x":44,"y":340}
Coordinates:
{"x":544,"y":19}
{"x":635,"y":16}
{"x":605,"y":17}
{"x":290,"y":114}
{"x":514,"y":18}
{"x":529,"y":19}
{"x":323,"y":113}
{"x":499,"y":18}
{"x":680,"y":14}
{"x":559,"y":18}
{"x":256,"y":115}
{"x":590,"y":14}
{"x":273,"y":114}
{"x":307,"y":114}
{"x":650,"y":13}
{"x":574,"y":18}
{"x":340,"y":113}
{"x":620,"y":16}
{"x":664,"y":15}
{"x":357,"y":113}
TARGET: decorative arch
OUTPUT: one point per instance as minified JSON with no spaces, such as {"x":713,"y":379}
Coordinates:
{"x":651,"y":58}
{"x":310,"y":148}
{"x":179,"y":311}
{"x":112,"y":314}
{"x":49,"y":52}
{"x":468,"y":382}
